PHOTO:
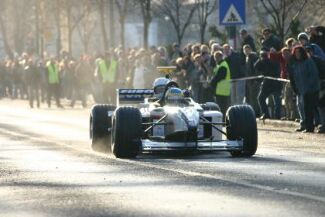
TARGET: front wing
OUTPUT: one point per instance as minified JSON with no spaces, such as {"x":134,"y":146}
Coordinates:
{"x":222,"y":145}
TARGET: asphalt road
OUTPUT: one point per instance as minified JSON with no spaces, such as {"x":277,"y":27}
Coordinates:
{"x":48,"y":169}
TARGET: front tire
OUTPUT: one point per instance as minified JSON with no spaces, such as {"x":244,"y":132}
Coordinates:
{"x":241,"y":124}
{"x":99,"y":125}
{"x":127,"y":132}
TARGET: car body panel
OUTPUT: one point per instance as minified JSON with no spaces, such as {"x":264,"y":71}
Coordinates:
{"x":165,"y":123}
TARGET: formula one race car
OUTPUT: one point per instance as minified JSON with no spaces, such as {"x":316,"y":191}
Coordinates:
{"x":167,"y":119}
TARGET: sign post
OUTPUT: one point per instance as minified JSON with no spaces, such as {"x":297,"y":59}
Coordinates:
{"x":231,"y":14}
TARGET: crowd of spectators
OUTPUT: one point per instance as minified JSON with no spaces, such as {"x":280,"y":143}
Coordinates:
{"x":281,"y":80}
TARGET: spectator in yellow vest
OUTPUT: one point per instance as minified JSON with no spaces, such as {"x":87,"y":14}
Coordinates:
{"x":221,"y":82}
{"x":107,"y":70}
{"x":53,"y":83}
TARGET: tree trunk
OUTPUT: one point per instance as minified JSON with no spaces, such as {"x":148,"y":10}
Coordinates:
{"x":179,"y":39}
{"x":202,"y":32}
{"x":69,"y":33}
{"x":58,"y":23}
{"x":146,"y":15}
{"x":111,"y":24}
{"x":102,"y":8}
{"x":37,"y":36}
{"x":42,"y":27}
{"x":70,"y":42}
{"x":146,"y":34}
{"x":19,"y":30}
{"x":5,"y":38}
{"x":122,"y":33}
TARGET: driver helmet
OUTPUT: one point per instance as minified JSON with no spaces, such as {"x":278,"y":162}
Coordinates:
{"x":174,"y":96}
{"x":159,"y":86}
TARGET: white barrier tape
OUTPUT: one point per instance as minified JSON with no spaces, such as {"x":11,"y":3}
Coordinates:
{"x":260,"y":77}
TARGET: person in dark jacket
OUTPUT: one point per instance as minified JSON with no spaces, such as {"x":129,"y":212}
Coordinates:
{"x":270,"y":41}
{"x":317,"y":36}
{"x":33,"y":78}
{"x":236,"y":66}
{"x":200,"y":78}
{"x":252,"y":86}
{"x":247,"y":39}
{"x":321,"y":106}
{"x":304,"y":41}
{"x":269,"y":87}
{"x":176,"y":52}
{"x":284,"y":58}
{"x":304,"y":78}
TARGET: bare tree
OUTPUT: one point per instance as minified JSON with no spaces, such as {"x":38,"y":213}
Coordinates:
{"x":87,"y":25}
{"x":180,"y":14}
{"x":204,"y":9}
{"x":37,"y":25}
{"x":122,"y":6}
{"x":146,"y":15}
{"x":20,"y":12}
{"x":74,"y":15}
{"x":102,"y":7}
{"x":55,"y":7}
{"x":111,"y":23}
{"x":283,"y":13}
{"x":3,"y":28}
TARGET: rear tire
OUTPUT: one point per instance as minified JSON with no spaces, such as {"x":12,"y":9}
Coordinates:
{"x":241,"y":124}
{"x":99,"y":125}
{"x":127,"y":132}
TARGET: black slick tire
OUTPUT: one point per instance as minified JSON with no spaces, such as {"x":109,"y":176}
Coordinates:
{"x":99,"y":125}
{"x":241,"y":124}
{"x":127,"y":132}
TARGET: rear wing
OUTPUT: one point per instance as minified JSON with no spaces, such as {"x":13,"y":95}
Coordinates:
{"x":166,"y":69}
{"x":132,"y":96}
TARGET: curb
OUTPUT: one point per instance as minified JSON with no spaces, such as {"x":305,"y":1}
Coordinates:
{"x":278,"y":123}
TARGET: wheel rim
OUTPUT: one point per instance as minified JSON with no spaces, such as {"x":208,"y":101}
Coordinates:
{"x":91,"y":132}
{"x":113,"y":136}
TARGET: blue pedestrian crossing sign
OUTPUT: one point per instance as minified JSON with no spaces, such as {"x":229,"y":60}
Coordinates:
{"x":232,"y":12}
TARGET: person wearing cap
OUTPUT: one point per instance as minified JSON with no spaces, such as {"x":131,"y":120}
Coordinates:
{"x":220,"y":82}
{"x":269,"y":87}
{"x":304,"y":41}
{"x":270,"y":40}
{"x":247,"y":39}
